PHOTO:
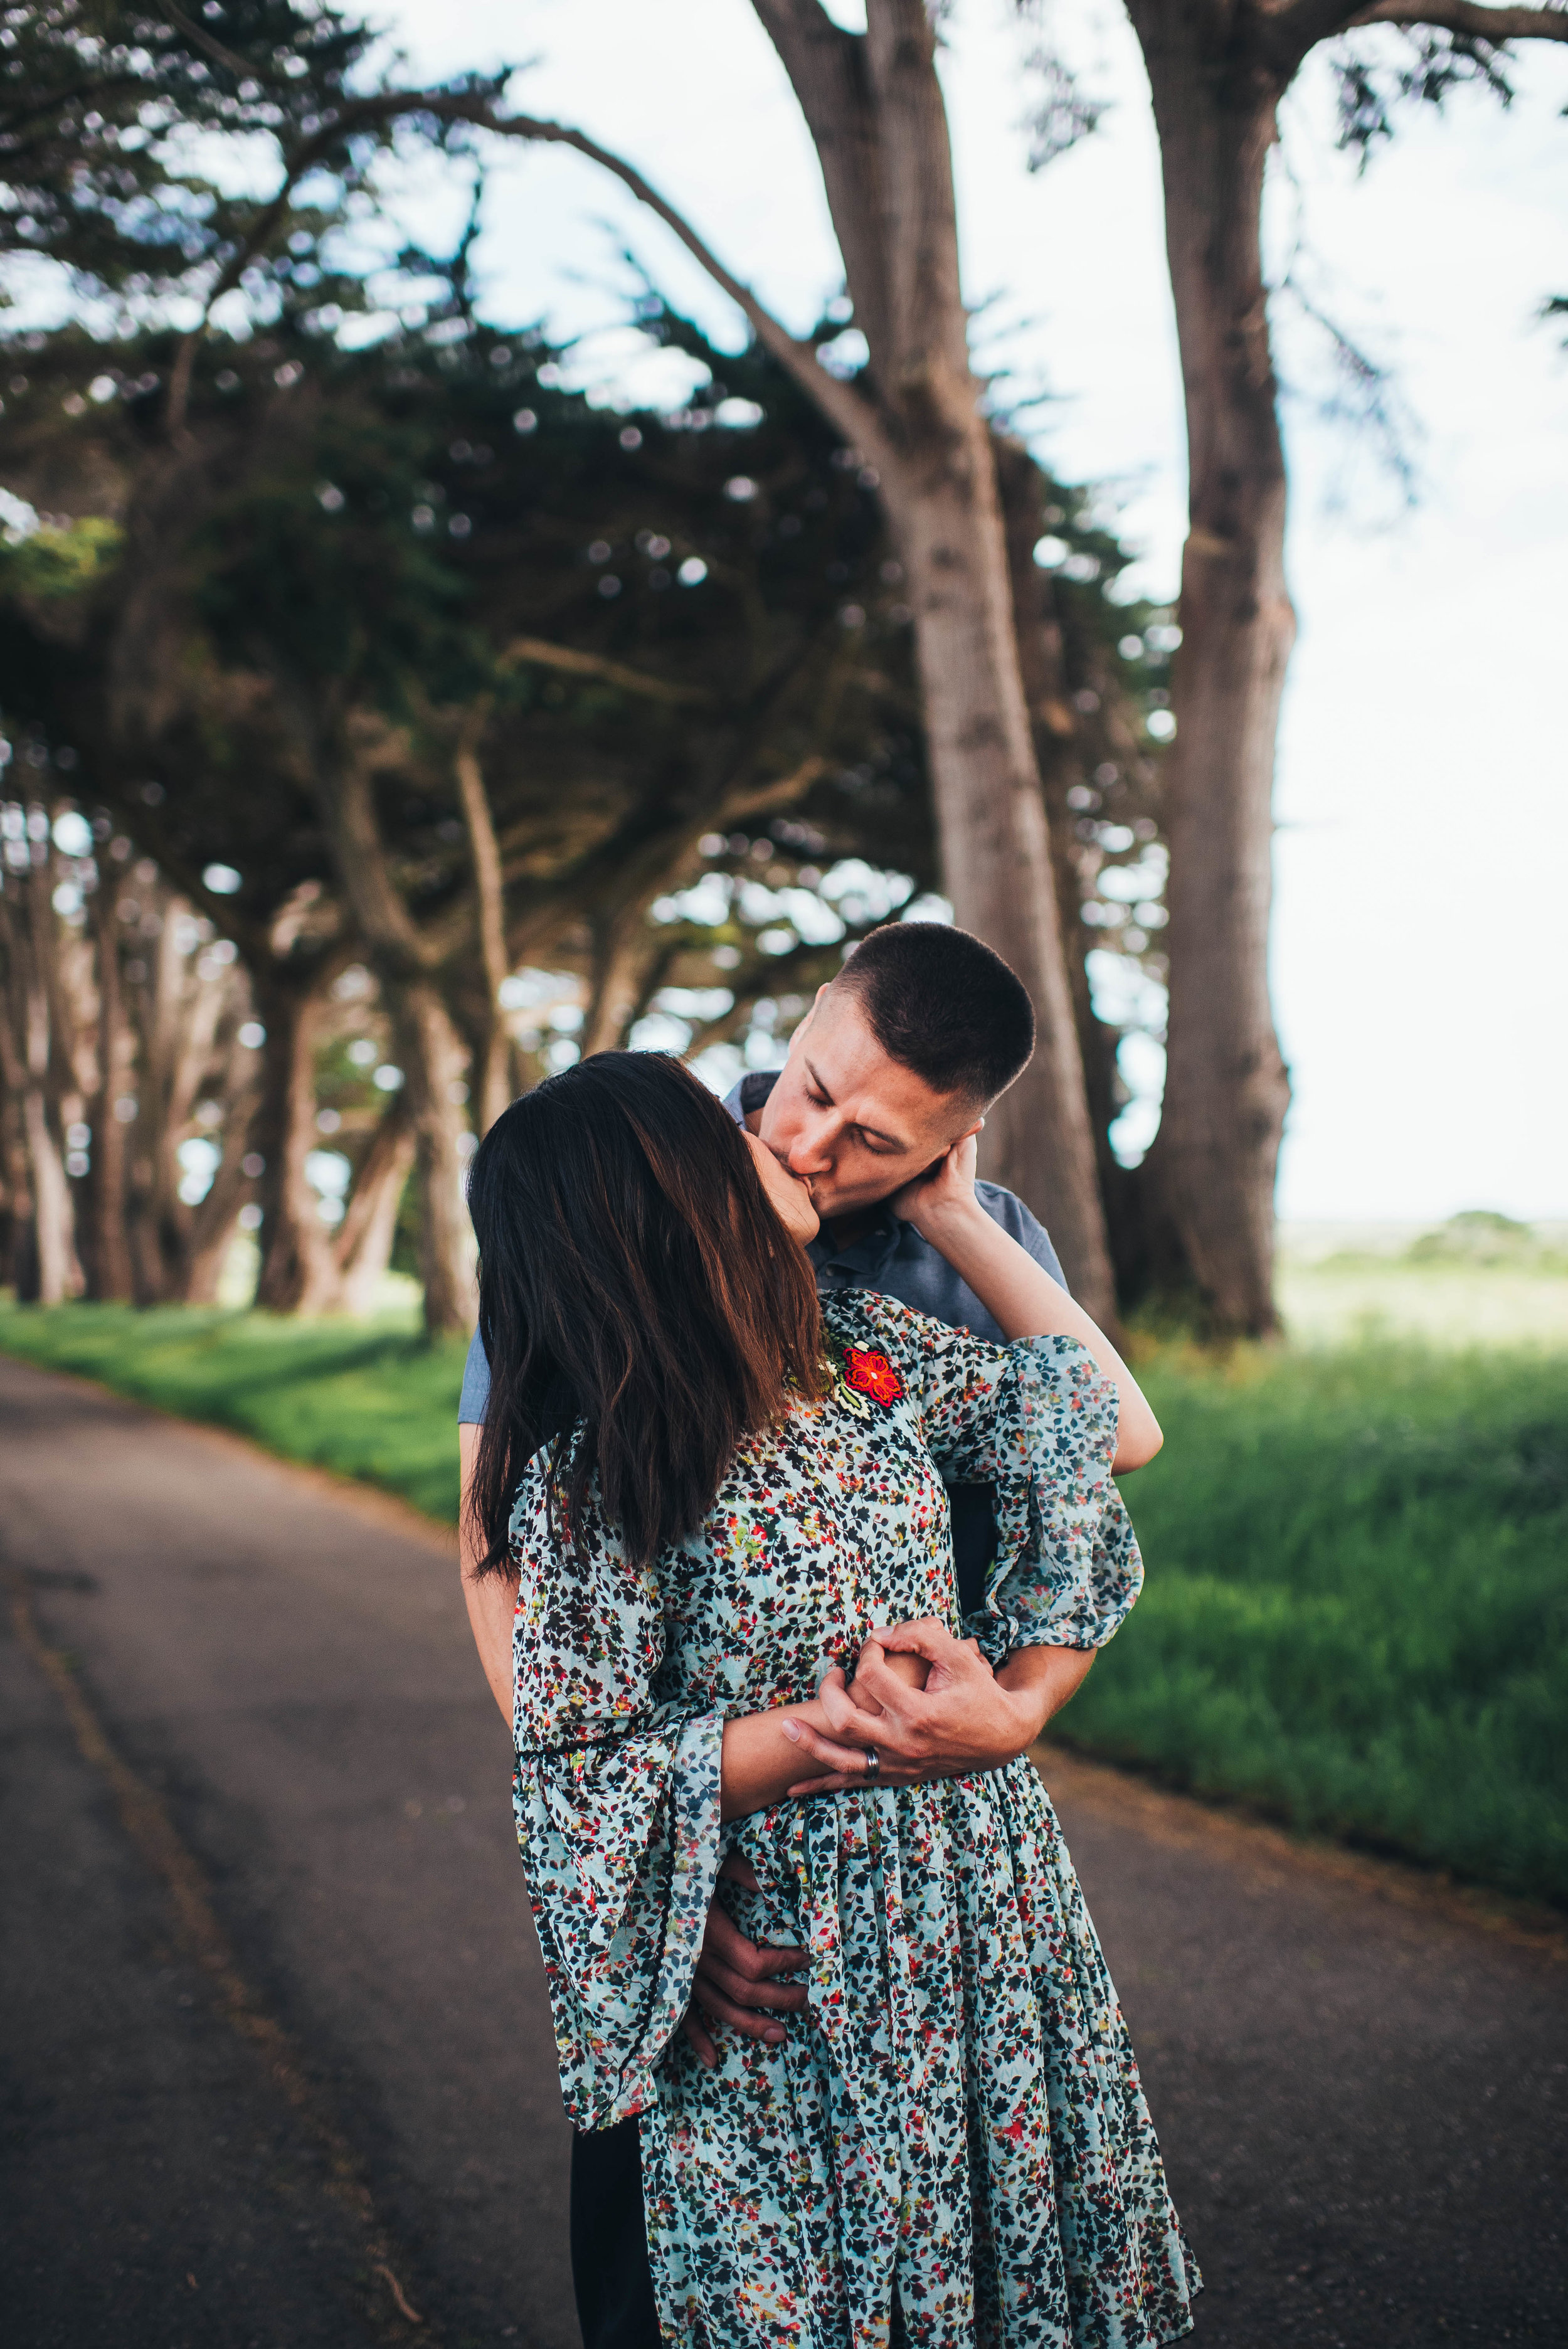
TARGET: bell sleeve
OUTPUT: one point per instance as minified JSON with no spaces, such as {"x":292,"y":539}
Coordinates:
{"x":617,"y":1803}
{"x":1037,"y":1421}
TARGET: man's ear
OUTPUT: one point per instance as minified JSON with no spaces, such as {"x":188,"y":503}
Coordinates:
{"x":804,"y":1027}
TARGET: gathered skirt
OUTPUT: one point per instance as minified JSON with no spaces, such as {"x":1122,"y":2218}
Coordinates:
{"x":952,"y":2145}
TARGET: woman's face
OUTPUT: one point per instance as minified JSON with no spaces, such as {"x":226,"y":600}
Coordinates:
{"x":789,"y":1194}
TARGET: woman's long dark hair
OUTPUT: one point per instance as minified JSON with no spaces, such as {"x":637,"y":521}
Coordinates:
{"x":634,"y":1277}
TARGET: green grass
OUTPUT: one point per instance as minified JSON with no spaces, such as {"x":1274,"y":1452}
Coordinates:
{"x":1355,"y":1616}
{"x":369,"y":1399}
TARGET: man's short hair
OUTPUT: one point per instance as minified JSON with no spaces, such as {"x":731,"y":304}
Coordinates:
{"x":942,"y":1004}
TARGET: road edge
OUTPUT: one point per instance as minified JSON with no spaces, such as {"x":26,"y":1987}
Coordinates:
{"x":1166,"y":1814}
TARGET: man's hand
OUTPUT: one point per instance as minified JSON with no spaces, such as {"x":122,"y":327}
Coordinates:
{"x":736,"y":1981}
{"x":966,"y":1718}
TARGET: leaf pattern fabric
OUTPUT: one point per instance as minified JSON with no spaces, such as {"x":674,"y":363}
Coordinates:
{"x":957,"y":2123}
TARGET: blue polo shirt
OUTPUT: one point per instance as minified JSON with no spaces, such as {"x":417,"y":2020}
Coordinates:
{"x":891,"y":1256}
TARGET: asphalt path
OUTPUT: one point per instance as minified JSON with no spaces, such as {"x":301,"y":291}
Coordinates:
{"x":276,"y":2061}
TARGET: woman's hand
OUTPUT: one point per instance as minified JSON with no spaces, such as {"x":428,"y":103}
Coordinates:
{"x":962,"y":1720}
{"x":763,"y":1760}
{"x":1020,"y":1294}
{"x":947,"y":1185}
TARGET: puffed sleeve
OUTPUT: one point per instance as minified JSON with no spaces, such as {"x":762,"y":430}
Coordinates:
{"x":1037,"y":1421}
{"x":617,"y":1801}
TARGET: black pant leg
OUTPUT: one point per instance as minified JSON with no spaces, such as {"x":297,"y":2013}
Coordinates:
{"x":610,"y":2271}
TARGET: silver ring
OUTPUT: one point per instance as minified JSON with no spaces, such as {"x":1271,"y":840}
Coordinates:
{"x":873,"y":1763}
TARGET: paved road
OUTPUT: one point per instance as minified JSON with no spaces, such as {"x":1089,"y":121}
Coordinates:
{"x":277,"y":2067}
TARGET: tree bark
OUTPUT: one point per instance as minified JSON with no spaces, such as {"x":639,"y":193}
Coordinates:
{"x":23,"y":1235}
{"x":433,"y":1060}
{"x":152,"y":1172}
{"x":212,"y":1224}
{"x":996,"y":850}
{"x":1059,"y":757}
{"x":1226,"y":1088}
{"x":58,"y":1277}
{"x":298,"y":1274}
{"x":33,"y":1056}
{"x":425,"y":1041}
{"x":874,"y":108}
{"x":493,"y":1091}
{"x":365,"y":1238}
{"x":619,"y":948}
{"x":108,"y":1252}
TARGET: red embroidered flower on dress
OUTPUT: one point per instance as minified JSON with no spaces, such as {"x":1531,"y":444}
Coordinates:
{"x":873,"y":1374}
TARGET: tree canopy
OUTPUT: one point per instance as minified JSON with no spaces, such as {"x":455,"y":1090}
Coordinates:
{"x":402,"y":664}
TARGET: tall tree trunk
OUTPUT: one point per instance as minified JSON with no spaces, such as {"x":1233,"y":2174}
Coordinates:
{"x":212,"y":1236}
{"x":21,"y":1261}
{"x":1058,"y":756}
{"x":215,"y":1220}
{"x":996,"y":849}
{"x":433,"y":1060}
{"x":153,"y":1170}
{"x":875,"y":110}
{"x":425,"y":1038}
{"x":1226,"y":1086}
{"x":108,"y":1250}
{"x":58,"y":1276}
{"x":492,"y":1091}
{"x":298,"y":1273}
{"x":28,"y":919}
{"x":1144,"y":1248}
{"x":365,"y":1238}
{"x":619,"y":947}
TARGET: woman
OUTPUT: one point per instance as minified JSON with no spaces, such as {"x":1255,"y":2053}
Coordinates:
{"x":714,"y":1490}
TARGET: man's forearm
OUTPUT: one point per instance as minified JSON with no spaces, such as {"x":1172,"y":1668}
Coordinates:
{"x":1046,"y":1678}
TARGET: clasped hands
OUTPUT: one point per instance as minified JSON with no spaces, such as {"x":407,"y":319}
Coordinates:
{"x":931,"y":1707}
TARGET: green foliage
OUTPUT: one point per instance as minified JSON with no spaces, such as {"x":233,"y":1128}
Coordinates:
{"x":371,"y":1400}
{"x":1356,"y":1615}
{"x":396,"y":541}
{"x":1480,"y":1236}
{"x":1357,"y":1606}
{"x":51,"y":562}
{"x":363,"y":537}
{"x":1423,"y":66}
{"x":109,"y":110}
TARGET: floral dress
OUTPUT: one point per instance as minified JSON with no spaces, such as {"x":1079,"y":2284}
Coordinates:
{"x":955,"y":2123}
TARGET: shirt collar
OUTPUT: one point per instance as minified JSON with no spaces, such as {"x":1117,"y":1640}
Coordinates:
{"x":866,"y":1253}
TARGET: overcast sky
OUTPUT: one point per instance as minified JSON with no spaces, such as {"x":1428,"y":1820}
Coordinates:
{"x":1421,"y":925}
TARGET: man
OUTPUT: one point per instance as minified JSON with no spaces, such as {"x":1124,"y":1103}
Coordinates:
{"x":895,"y":1063}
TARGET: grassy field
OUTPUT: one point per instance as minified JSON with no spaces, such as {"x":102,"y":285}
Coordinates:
{"x":1356,"y":1612}
{"x":1355,"y":1616}
{"x":368,"y":1398}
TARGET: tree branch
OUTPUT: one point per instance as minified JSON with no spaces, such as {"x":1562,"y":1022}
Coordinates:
{"x":361,"y":857}
{"x":826,"y":66}
{"x":643,"y":868}
{"x":845,"y":407}
{"x":1461,"y":16}
{"x":1290,"y":33}
{"x":486,"y":853}
{"x":484,"y":850}
{"x":576,"y":664}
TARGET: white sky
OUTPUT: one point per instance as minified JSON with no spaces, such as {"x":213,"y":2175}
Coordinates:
{"x":1422,"y":927}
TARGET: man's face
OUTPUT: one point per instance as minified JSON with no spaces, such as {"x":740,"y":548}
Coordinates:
{"x":854,"y":1123}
